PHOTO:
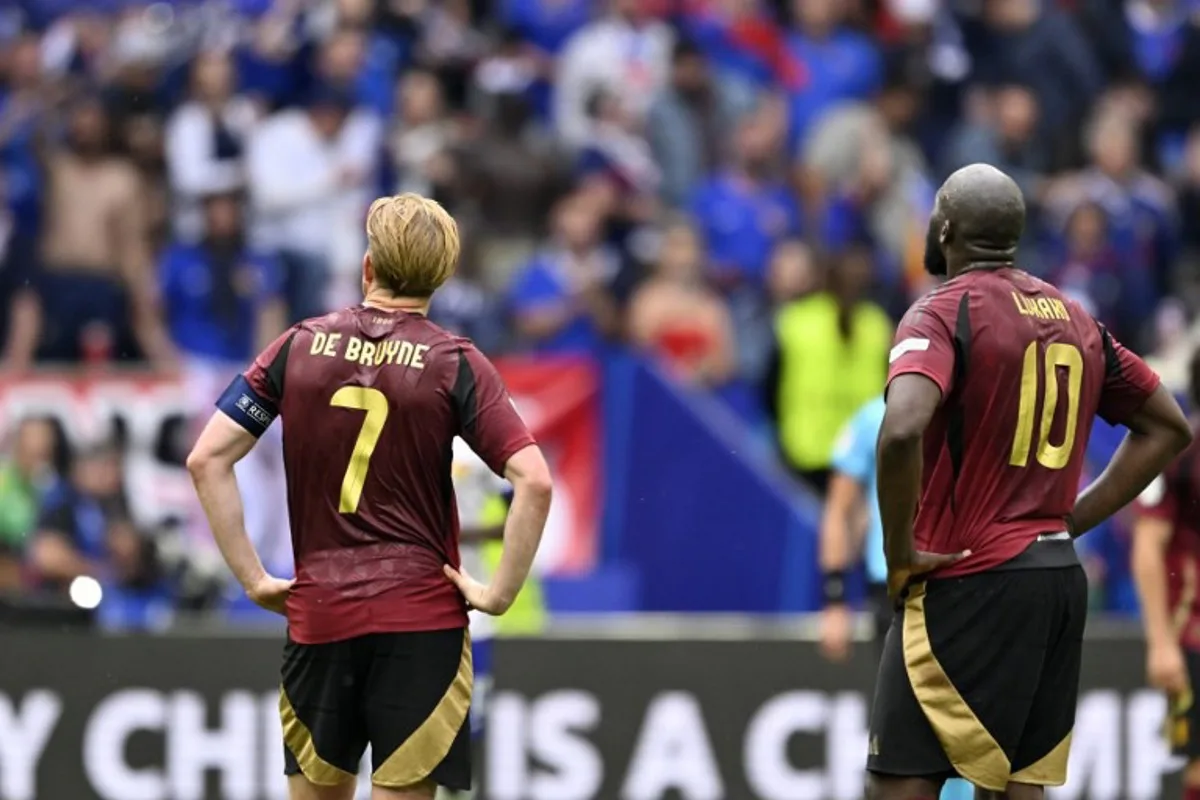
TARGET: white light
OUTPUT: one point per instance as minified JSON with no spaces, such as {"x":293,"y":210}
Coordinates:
{"x":86,"y":592}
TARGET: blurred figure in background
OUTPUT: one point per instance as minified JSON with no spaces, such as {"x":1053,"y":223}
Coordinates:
{"x":206,"y":140}
{"x":224,"y":302}
{"x":1166,"y":569}
{"x":422,"y":138}
{"x":24,"y":477}
{"x":626,"y":53}
{"x":677,"y":317}
{"x":690,"y":121}
{"x":84,"y":531}
{"x":1003,"y":131}
{"x":95,"y":292}
{"x":833,"y":63}
{"x":310,"y":178}
{"x":561,"y":301}
{"x":830,"y":357}
{"x":744,"y":209}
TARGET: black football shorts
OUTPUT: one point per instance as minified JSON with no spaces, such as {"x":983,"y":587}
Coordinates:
{"x":1183,"y":715}
{"x":405,"y":694}
{"x":979,"y":678}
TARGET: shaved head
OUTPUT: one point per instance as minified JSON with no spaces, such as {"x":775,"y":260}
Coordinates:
{"x":978,"y":219}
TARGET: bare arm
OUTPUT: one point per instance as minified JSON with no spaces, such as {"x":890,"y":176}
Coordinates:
{"x":839,"y":544}
{"x":911,"y":402}
{"x":56,"y":559}
{"x":221,"y":445}
{"x":529,"y":475}
{"x":1150,"y":538}
{"x":1157,"y":433}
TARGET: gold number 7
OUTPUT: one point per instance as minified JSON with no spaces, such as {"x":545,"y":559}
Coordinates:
{"x":1050,"y":456}
{"x":375,"y":403}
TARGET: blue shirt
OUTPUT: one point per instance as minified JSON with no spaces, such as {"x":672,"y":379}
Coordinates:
{"x":854,"y":456}
{"x":189,"y":293}
{"x":542,"y":285}
{"x":846,"y":66}
{"x":742,"y":221}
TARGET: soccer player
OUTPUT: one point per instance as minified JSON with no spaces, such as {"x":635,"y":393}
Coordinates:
{"x":372,"y":398}
{"x":994,"y":382}
{"x":1166,"y":568}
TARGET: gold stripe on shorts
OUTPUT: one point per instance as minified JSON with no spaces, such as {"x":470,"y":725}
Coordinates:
{"x":419,"y":755}
{"x":972,"y":750}
{"x":299,"y":741}
{"x":1050,"y":769}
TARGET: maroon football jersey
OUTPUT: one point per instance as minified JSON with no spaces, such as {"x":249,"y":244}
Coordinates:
{"x":1023,"y":371}
{"x":371,"y":401}
{"x":1174,"y":497}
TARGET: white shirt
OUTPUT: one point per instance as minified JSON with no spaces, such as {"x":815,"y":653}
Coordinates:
{"x":192,"y":164}
{"x":296,"y":196}
{"x":610,"y":54}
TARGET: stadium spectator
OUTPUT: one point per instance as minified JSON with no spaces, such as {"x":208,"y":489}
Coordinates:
{"x":561,"y":300}
{"x":223,"y":301}
{"x":626,"y":53}
{"x":1140,"y":208}
{"x":422,"y":138}
{"x":1002,"y":131}
{"x":206,"y":139}
{"x":675,"y":316}
{"x":310,"y":178}
{"x":690,"y":120}
{"x":94,"y":291}
{"x":830,"y":357}
{"x":1032,"y":42}
{"x":744,"y":209}
{"x":511,"y":176}
{"x":24,"y":477}
{"x":864,"y":175}
{"x":834,"y":63}
{"x":616,"y":156}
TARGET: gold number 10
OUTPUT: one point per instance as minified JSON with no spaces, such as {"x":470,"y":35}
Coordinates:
{"x":375,"y":404}
{"x":1048,"y":455}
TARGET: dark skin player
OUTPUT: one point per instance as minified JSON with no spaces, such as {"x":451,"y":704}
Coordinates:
{"x":977,"y":224}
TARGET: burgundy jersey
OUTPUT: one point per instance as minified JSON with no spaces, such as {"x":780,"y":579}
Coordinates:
{"x":1023,"y":371}
{"x":371,"y":401}
{"x":1174,"y":497}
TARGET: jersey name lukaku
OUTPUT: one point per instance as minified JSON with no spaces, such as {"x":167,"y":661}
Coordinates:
{"x":1174,"y":497}
{"x":371,"y":401}
{"x":1022,"y":371}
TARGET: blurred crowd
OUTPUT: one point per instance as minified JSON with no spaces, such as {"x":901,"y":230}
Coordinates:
{"x":738,"y":188}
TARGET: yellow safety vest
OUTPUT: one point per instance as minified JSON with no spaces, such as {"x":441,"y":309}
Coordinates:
{"x":526,"y":616}
{"x":824,"y":378}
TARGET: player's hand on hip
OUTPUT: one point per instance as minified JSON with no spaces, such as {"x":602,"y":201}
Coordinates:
{"x":479,"y":596}
{"x":1166,"y":668}
{"x":271,"y":593}
{"x":922,"y":563}
{"x":836,"y":625}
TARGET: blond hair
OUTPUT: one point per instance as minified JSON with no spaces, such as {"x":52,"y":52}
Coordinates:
{"x":413,"y":243}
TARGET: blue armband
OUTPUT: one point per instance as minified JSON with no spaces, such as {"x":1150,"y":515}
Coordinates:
{"x":246,"y":407}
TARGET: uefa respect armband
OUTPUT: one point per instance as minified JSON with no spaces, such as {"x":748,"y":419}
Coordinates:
{"x":247,"y":407}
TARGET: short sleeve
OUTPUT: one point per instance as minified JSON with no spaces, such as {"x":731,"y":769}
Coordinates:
{"x":253,"y":399}
{"x":1128,"y":381}
{"x":924,"y":342}
{"x":487,"y":417}
{"x":853,"y":451}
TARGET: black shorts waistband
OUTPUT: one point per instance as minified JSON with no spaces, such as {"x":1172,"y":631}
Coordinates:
{"x":1051,"y":550}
